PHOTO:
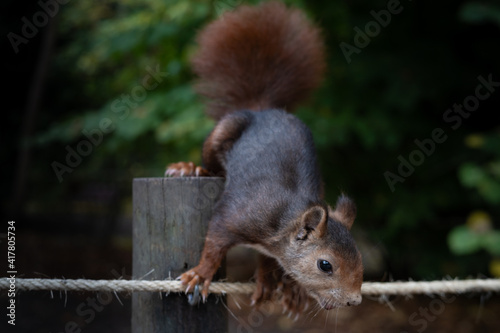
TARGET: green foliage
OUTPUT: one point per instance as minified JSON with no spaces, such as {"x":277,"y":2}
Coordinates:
{"x":477,"y":236}
{"x":474,"y":12}
{"x":367,"y":113}
{"x":485,"y":177}
{"x":463,"y":240}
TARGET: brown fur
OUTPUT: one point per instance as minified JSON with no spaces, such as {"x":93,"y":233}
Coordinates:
{"x":227,"y":131}
{"x":343,"y":286}
{"x":258,"y":57}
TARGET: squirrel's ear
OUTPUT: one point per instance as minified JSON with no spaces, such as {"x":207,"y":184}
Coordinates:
{"x":345,"y":211}
{"x":315,"y":220}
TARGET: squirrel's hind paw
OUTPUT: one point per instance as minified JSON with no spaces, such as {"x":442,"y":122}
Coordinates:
{"x":264,"y":291}
{"x":185,"y":169}
{"x":294,"y":298}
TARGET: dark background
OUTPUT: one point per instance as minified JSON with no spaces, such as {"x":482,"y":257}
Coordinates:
{"x":88,"y":60}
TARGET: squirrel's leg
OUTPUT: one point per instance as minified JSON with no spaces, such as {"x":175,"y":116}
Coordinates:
{"x":272,"y":282}
{"x":213,"y":253}
{"x":218,"y":143}
{"x":294,"y":297}
{"x":267,"y":275}
{"x":227,"y":131}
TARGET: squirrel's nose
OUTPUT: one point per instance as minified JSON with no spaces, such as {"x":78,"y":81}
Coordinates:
{"x":354,"y":299}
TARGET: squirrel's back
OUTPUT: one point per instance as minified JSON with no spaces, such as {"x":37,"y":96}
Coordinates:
{"x":257,"y":58}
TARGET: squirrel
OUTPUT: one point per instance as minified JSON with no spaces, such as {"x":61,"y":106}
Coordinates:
{"x":252,"y":64}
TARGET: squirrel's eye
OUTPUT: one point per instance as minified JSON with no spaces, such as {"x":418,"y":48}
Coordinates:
{"x":325,"y":266}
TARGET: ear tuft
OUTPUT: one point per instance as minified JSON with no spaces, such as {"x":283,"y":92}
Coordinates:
{"x":345,"y":211}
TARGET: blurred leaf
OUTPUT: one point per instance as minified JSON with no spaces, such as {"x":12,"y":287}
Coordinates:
{"x":495,"y":267}
{"x":462,"y":240}
{"x":471,"y":175}
{"x":474,"y":141}
{"x":474,"y":12}
{"x":492,"y":242}
{"x":479,"y":221}
{"x":490,"y":190}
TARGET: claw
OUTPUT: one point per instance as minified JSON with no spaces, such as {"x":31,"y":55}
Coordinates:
{"x":194,"y":298}
{"x":204,"y":292}
{"x":185,"y":169}
{"x":194,"y":281}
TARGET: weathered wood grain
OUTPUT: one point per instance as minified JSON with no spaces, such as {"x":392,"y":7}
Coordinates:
{"x":170,"y":219}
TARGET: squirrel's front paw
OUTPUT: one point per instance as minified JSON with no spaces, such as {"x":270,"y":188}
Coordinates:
{"x":192,"y":278}
{"x":185,"y":169}
{"x":294,"y":297}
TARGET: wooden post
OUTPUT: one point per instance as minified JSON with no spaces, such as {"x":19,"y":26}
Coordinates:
{"x":170,"y":221}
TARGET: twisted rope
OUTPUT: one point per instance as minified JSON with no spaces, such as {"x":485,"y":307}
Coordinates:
{"x":368,"y":288}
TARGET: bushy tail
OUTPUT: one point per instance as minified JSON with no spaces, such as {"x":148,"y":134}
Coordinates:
{"x":257,"y":58}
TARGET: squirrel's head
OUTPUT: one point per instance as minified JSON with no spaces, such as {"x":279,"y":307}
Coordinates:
{"x":324,"y":258}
